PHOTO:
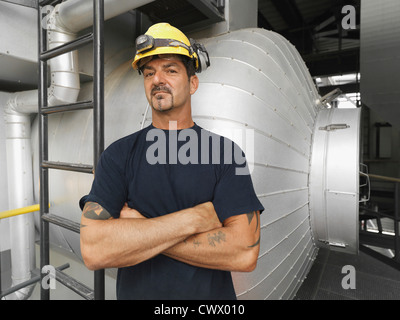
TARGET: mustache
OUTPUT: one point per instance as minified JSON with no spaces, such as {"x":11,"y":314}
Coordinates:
{"x":160,"y":88}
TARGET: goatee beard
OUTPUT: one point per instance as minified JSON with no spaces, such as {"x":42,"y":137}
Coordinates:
{"x":159,"y":106}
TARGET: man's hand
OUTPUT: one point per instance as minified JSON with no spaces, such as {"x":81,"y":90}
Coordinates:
{"x":208,"y":219}
{"x":127,"y":212}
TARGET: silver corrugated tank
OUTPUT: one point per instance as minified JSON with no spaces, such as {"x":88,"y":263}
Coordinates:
{"x":258,"y":82}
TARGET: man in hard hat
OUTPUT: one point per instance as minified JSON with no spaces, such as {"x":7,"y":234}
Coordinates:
{"x":174,"y":228}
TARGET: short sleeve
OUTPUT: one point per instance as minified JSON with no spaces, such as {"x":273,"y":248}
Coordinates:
{"x":109,"y":186}
{"x":234,"y":193}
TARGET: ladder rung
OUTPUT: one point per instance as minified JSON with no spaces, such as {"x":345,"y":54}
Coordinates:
{"x":67,"y":47}
{"x":35,"y":278}
{"x":83,"y":168}
{"x":74,"y":285}
{"x":62,"y":222}
{"x":68,"y":107}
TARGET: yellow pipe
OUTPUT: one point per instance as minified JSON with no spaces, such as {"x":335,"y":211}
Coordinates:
{"x":16,"y":212}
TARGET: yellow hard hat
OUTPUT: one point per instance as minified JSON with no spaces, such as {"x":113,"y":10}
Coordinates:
{"x":162,"y":38}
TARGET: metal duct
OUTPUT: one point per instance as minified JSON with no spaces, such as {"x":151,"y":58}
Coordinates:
{"x":64,"y":87}
{"x":76,"y":15}
{"x":20,"y":191}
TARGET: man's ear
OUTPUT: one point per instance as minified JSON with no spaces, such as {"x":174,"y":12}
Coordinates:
{"x":194,"y":84}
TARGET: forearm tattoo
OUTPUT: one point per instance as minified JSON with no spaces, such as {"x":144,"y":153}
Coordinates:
{"x":219,"y":237}
{"x":215,"y":238}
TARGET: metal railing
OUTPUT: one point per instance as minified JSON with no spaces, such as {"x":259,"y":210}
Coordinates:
{"x":376,"y":211}
{"x":19,"y":211}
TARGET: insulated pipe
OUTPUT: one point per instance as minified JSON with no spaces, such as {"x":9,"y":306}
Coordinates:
{"x":20,"y":194}
{"x":64,"y":75}
{"x":76,"y":15}
{"x":65,"y":85}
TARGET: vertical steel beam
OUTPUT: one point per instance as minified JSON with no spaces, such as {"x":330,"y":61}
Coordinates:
{"x":98,"y":110}
{"x":396,"y":222}
{"x":43,"y":152}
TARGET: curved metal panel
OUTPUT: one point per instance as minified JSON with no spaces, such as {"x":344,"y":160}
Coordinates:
{"x":257,"y":81}
{"x":334,"y":179}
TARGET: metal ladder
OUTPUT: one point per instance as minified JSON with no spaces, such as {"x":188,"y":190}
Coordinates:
{"x":97,"y":104}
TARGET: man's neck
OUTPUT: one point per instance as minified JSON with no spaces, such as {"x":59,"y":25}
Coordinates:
{"x":173,"y":124}
{"x":172,"y":121}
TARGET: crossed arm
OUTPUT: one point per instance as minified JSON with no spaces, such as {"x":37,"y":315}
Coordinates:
{"x":194,"y":236}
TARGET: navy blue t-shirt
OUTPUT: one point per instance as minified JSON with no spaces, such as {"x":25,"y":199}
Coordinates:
{"x":158,"y":172}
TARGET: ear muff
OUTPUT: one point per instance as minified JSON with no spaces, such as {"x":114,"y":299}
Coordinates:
{"x":202,"y":55}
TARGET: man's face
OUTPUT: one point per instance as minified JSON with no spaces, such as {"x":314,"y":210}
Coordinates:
{"x":166,"y":83}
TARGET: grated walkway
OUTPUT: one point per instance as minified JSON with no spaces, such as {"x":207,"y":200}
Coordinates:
{"x":374,"y":279}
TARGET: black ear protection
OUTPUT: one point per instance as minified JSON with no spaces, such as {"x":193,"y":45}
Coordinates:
{"x":202,"y":54}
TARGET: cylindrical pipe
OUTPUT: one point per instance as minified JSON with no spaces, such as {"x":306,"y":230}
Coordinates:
{"x":64,"y":79}
{"x":76,"y":15}
{"x":20,"y":192}
{"x":24,"y":102}
{"x":19,"y":211}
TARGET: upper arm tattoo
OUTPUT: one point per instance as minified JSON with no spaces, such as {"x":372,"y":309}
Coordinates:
{"x":250,"y":217}
{"x":94,"y":211}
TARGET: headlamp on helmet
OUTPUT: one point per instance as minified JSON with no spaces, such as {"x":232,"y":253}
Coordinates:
{"x":144,"y":43}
